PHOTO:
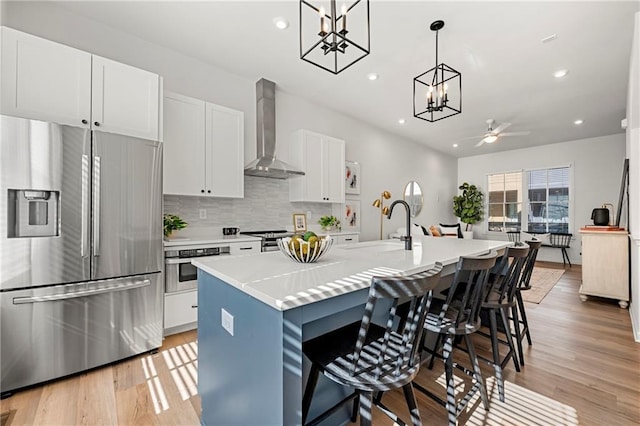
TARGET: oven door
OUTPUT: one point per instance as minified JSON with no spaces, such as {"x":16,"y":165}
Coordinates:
{"x":180,"y":274}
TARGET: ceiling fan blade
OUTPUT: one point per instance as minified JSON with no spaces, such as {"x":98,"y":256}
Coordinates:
{"x":500,"y":128}
{"x":515,"y":133}
{"x":479,"y":143}
{"x":472,"y":137}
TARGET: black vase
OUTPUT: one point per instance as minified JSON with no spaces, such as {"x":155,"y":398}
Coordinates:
{"x":600,"y":217}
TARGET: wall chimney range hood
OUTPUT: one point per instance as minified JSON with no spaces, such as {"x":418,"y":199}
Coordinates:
{"x":266,"y":165}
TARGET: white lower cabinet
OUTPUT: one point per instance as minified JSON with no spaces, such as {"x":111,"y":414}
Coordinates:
{"x":245,"y":248}
{"x":180,"y":311}
{"x":342,"y":239}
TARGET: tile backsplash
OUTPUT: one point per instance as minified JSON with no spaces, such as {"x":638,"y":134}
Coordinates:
{"x":265,"y":206}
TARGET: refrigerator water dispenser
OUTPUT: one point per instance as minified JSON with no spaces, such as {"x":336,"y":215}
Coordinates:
{"x":34,"y":213}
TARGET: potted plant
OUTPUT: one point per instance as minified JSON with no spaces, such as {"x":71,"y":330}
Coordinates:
{"x":328,"y":223}
{"x":468,"y":206}
{"x":172,"y":223}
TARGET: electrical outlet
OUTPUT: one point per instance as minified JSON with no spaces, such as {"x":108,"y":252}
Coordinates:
{"x":203,"y":213}
{"x":227,"y":321}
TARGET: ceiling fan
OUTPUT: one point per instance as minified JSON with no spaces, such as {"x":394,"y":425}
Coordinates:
{"x":493,"y":134}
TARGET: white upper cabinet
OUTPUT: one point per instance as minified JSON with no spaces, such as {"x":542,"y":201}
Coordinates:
{"x":224,"y":150}
{"x":322,"y":159}
{"x":184,"y":155}
{"x":203,"y":148}
{"x":48,"y":81}
{"x":44,"y":80}
{"x":124,"y":99}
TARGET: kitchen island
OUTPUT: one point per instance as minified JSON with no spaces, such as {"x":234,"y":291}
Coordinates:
{"x":255,"y":311}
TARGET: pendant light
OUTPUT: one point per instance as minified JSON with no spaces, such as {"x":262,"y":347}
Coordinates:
{"x":437,"y":93}
{"x":328,"y":39}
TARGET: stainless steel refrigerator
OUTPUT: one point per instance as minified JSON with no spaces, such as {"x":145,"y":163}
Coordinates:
{"x":80,"y":249}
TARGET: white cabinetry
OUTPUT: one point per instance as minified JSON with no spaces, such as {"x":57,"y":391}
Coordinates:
{"x":203,"y":148}
{"x":342,"y":239}
{"x":245,"y":248}
{"x":322,"y":159}
{"x":181,"y":308}
{"x":605,"y":265}
{"x":48,"y":81}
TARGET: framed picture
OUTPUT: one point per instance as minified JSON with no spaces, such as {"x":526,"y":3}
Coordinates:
{"x":352,"y":177}
{"x":299,"y":222}
{"x":350,"y":218}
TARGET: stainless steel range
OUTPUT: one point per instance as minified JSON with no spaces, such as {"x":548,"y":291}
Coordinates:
{"x":269,"y":238}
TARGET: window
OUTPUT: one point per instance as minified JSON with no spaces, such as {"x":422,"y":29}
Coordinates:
{"x":548,"y":192}
{"x":546,"y":200}
{"x":505,"y":201}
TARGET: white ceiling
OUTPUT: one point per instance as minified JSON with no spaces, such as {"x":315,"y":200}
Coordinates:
{"x":506,"y":69}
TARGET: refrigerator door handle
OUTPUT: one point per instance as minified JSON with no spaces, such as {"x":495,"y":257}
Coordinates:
{"x":96,"y":206}
{"x":84,"y":239}
{"x":81,"y":293}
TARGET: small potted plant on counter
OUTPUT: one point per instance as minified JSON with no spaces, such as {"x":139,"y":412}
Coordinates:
{"x":468,"y":207}
{"x":329,"y":223}
{"x":172,"y":223}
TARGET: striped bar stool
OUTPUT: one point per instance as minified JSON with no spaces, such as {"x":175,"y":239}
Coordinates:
{"x":459,"y":316}
{"x":372,"y":358}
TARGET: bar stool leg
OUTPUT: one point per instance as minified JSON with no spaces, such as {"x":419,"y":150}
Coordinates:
{"x":516,"y":325}
{"x":366,"y":400}
{"x":447,"y":353}
{"x":523,"y":313}
{"x":476,"y":368}
{"x":308,"y":391}
{"x":413,"y":405}
{"x":512,"y":349}
{"x":497,"y":364}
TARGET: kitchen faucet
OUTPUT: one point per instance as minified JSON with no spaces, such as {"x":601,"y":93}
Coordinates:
{"x":406,"y":238}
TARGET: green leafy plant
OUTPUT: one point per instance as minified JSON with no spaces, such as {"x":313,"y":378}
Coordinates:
{"x":329,"y":221}
{"x":468,"y":205}
{"x":172,"y":223}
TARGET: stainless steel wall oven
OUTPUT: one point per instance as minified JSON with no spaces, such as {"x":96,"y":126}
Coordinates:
{"x":180,"y":274}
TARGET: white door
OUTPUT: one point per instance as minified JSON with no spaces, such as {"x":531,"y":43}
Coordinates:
{"x":125,"y":99}
{"x":313,"y":145}
{"x":224,"y":150}
{"x":44,"y":80}
{"x":333,"y":168}
{"x":184,"y":139}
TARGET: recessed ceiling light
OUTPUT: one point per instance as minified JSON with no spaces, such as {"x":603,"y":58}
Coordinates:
{"x":372,"y":76}
{"x":281,"y":23}
{"x":578,"y":122}
{"x":402,"y":121}
{"x":560,"y":73}
{"x":455,"y":145}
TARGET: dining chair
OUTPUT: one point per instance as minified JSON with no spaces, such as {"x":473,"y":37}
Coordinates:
{"x":499,"y":299}
{"x":518,"y":312}
{"x":373,"y":358}
{"x":458,"y":317}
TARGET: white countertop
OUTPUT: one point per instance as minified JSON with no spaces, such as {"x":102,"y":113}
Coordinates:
{"x":281,"y":283}
{"x":199,"y":237}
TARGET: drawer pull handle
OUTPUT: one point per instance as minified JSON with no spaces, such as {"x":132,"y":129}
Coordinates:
{"x":348,"y":239}
{"x":194,"y":306}
{"x":246,"y":248}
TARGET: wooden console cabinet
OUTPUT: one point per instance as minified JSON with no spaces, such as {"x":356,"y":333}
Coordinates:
{"x":605,"y":265}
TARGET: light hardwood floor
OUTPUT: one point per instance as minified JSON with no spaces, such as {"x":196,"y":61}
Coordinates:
{"x":583,"y":368}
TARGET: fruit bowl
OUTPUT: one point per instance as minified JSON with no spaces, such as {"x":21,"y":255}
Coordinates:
{"x":305,"y":251}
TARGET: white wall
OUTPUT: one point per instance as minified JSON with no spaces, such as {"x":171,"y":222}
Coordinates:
{"x":597,"y":172}
{"x":633,"y":153}
{"x":388,"y":162}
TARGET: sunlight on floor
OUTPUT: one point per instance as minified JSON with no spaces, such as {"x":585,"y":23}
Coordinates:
{"x":182,"y":363}
{"x":522,"y":407}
